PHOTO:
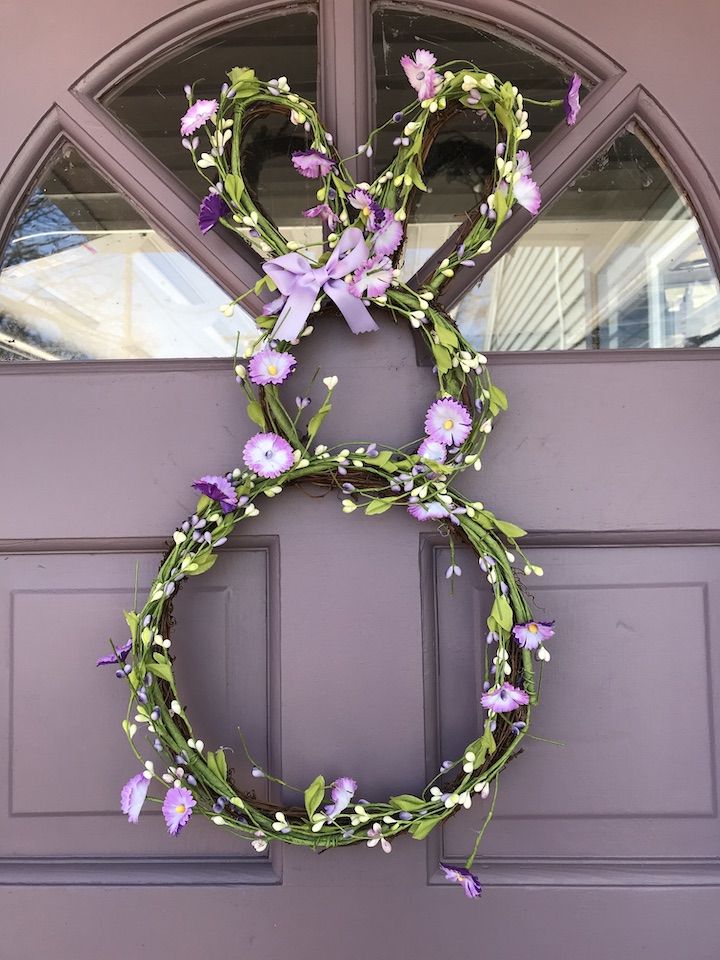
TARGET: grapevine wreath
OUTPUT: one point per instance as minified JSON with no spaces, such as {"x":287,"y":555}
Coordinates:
{"x":356,"y":265}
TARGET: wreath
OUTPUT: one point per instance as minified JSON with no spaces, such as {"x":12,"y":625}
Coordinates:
{"x":355,"y":267}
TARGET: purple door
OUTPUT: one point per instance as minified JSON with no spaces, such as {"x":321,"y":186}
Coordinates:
{"x":334,"y":642}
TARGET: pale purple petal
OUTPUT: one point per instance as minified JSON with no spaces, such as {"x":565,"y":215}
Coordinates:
{"x":312,"y":163}
{"x":271,"y":366}
{"x":388,"y":237}
{"x":268,"y":455}
{"x":523,"y":166}
{"x":274,"y":307}
{"x":530,"y":635}
{"x":572,"y":100}
{"x":132,"y":796}
{"x":177,"y":809}
{"x":197,"y":115}
{"x":122,"y":653}
{"x":419,"y":71}
{"x":505,"y":698}
{"x":219,"y":489}
{"x":432,"y":450}
{"x":467,"y":880}
{"x":343,"y":790}
{"x":325,"y":212}
{"x":372,"y":279}
{"x":527,"y":194}
{"x":448,"y":422}
{"x":431,"y":510}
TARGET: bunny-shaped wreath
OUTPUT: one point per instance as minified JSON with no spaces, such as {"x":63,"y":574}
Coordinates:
{"x":356,"y":267}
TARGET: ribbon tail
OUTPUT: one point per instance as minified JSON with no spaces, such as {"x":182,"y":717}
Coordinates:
{"x":357,"y":316}
{"x":291,"y":322}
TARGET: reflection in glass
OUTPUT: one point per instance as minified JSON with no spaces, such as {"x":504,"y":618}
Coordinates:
{"x":616,"y":262}
{"x":83,"y":276}
{"x":463,"y":153}
{"x":150,"y":106}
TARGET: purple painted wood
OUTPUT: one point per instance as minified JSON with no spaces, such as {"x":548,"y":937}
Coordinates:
{"x":610,"y":461}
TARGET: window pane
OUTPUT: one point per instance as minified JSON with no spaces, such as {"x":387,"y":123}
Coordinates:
{"x":150,"y":107}
{"x":84,"y":277}
{"x":464,"y":151}
{"x":616,"y":262}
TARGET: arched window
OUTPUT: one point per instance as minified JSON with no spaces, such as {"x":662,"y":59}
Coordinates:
{"x":100,"y":261}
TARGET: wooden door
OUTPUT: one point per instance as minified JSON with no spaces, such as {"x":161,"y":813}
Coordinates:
{"x":333,"y":642}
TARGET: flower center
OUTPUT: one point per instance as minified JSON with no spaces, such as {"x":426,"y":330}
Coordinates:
{"x":533,"y":628}
{"x":272,"y":369}
{"x":448,"y":424}
{"x":366,"y":211}
{"x":180,"y":808}
{"x":420,"y":75}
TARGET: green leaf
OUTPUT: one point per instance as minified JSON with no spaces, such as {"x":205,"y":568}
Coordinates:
{"x":510,"y":529}
{"x":201,"y":564}
{"x":316,"y":421}
{"x":256,"y":414}
{"x":406,"y":801}
{"x":234,"y":187}
{"x":421,"y":828}
{"x":502,"y":613}
{"x":505,"y":117}
{"x":314,"y":795}
{"x":501,"y":207}
{"x":161,"y":670}
{"x":481,"y":747}
{"x":499,"y":397}
{"x":217,"y":764}
{"x":202,"y":504}
{"x":376,"y":507}
{"x":446,"y":335}
{"x":443,"y":358}
{"x":382,"y":460}
{"x":280,"y":415}
{"x":412,"y":171}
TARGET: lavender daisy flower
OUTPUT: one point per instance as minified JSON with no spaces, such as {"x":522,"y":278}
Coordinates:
{"x":325,"y":212}
{"x":122,"y":653}
{"x":343,"y":790}
{"x":373,"y":278}
{"x":177,"y":809}
{"x":572,"y":100}
{"x":268,"y":455}
{"x":448,"y":422}
{"x":522,"y":163}
{"x":376,"y":836}
{"x":432,"y":510}
{"x":419,"y":71}
{"x":219,"y":489}
{"x":312,"y":163}
{"x":468,"y":881}
{"x":271,"y":366}
{"x":432,"y":450}
{"x":212,"y":209}
{"x":132,"y":796}
{"x":505,"y":698}
{"x":388,"y":236}
{"x":530,"y":635}
{"x":197,"y":115}
{"x":527,"y":194}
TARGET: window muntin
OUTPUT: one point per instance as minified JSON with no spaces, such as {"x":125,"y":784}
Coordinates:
{"x":616,"y":262}
{"x":83,"y":276}
{"x":463,"y":153}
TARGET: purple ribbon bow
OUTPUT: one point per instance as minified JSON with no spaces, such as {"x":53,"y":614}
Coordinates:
{"x":298,"y":280}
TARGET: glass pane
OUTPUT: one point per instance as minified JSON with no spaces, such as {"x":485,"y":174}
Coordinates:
{"x":84,"y":277}
{"x":616,"y":262}
{"x":464,"y":151}
{"x":150,"y":106}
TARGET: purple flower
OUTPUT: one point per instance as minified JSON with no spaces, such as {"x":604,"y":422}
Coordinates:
{"x":572,"y":100}
{"x":271,"y":366}
{"x":505,"y":698}
{"x":420,"y":73}
{"x":468,"y":881}
{"x":177,"y":809}
{"x":312,"y":163}
{"x":432,"y":450}
{"x":448,"y":421}
{"x":122,"y":653}
{"x":343,"y":790}
{"x":373,"y":278}
{"x":432,"y":510}
{"x":388,"y":233}
{"x":530,"y":635}
{"x":268,"y":455}
{"x":132,"y":796}
{"x":197,"y":115}
{"x":522,"y":163}
{"x":212,"y":209}
{"x":527,"y":194}
{"x":274,"y":307}
{"x":325,"y":212}
{"x":219,"y":489}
